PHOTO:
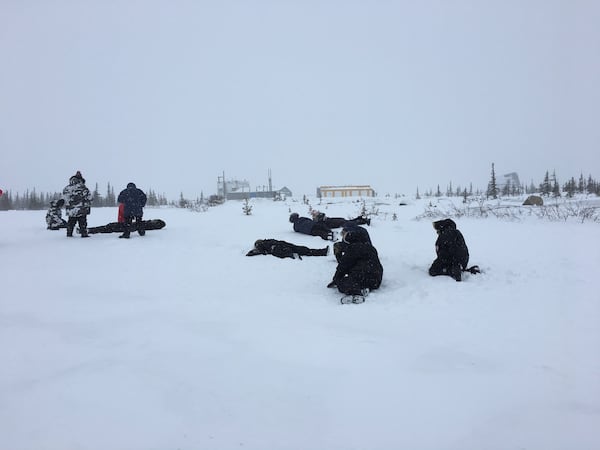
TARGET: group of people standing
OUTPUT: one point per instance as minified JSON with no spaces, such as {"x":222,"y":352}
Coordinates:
{"x":77,"y":201}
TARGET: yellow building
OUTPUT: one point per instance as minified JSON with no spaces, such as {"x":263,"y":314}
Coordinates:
{"x":345,"y":191}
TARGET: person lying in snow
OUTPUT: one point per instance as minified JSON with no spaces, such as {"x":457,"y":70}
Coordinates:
{"x":283,"y":249}
{"x":360,"y":235}
{"x":359,"y":268}
{"x":339,"y":222}
{"x":451,"y":250}
{"x":54,"y":218}
{"x":308,"y":226}
{"x":121,"y":227}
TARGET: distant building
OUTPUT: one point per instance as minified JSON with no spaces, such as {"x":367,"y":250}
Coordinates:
{"x":240,"y":190}
{"x":285,"y":192}
{"x":345,"y":191}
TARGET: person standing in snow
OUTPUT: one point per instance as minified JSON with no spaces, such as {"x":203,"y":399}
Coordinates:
{"x":54,"y":215}
{"x":78,"y":203}
{"x":308,"y":226}
{"x":133,"y":200}
{"x":451,"y":250}
{"x":359,"y":268}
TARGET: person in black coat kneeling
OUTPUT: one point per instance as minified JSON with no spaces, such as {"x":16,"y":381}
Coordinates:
{"x":452,"y":252}
{"x":359,"y":267}
{"x":134,"y":200}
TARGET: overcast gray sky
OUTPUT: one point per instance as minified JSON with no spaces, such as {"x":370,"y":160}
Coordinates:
{"x":396,"y":94}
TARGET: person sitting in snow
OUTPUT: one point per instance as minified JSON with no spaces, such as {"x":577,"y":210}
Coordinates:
{"x":451,"y":250}
{"x":78,"y":203}
{"x":283,"y":249}
{"x":359,"y":268}
{"x":308,"y":226}
{"x":339,"y":222}
{"x":54,"y":215}
{"x":133,"y":200}
{"x":359,"y":235}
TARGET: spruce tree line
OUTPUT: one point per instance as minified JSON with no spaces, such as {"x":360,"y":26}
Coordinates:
{"x":549,"y":186}
{"x":33,"y":200}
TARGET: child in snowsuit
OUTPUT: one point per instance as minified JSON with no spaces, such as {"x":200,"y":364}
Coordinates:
{"x":283,"y":249}
{"x":451,"y":249}
{"x":359,"y":267}
{"x":78,"y":203}
{"x":308,"y":226}
{"x":54,"y":215}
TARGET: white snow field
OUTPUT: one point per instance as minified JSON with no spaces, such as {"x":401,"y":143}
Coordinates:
{"x":178,"y":341}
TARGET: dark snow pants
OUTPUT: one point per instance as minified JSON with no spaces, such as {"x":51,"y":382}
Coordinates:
{"x":353,"y":283}
{"x":81,"y":221}
{"x":129,"y":226}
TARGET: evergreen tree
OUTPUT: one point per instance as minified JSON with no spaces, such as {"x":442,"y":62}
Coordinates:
{"x":581,"y":185}
{"x":545,"y":187}
{"x":555,"y":187}
{"x":418,"y":197}
{"x":96,"y":197}
{"x":570,"y":187}
{"x":110,"y":200}
{"x":182,"y":201}
{"x":6,"y":201}
{"x":591,"y":188}
{"x":492,"y":190}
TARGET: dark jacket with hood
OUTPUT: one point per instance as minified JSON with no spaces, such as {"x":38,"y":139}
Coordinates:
{"x":133,"y":200}
{"x":303,"y":224}
{"x":359,"y":262}
{"x":450,"y":245}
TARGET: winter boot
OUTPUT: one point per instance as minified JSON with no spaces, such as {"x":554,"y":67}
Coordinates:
{"x":69,"y":232}
{"x":125,"y":235}
{"x":455,"y":272}
{"x":84,"y":233}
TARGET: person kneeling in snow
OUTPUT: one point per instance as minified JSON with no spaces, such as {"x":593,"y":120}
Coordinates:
{"x":283,"y":249}
{"x":358,"y":268}
{"x":54,"y":215}
{"x":452,"y":252}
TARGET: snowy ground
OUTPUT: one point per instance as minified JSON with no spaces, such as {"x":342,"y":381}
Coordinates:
{"x":178,"y":341}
